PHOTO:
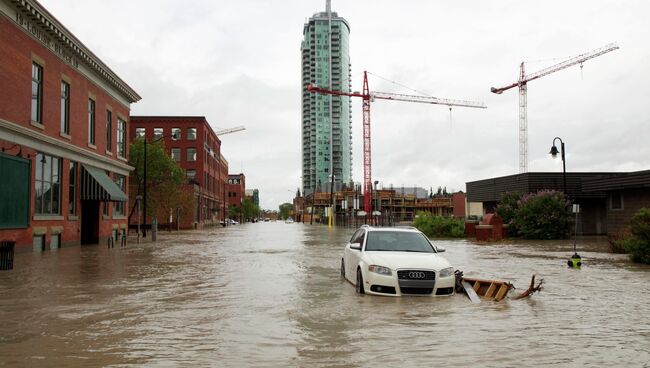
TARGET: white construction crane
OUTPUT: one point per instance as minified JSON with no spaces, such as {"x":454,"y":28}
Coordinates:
{"x":522,"y":84}
{"x":230,"y":130}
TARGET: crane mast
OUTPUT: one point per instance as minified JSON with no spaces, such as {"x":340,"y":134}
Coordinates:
{"x":522,"y":83}
{"x":368,"y":97}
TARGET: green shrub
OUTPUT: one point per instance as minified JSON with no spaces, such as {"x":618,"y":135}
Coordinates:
{"x":507,"y":209}
{"x":638,"y":245}
{"x":543,"y":215}
{"x":639,"y":249}
{"x":640,"y":224}
{"x":438,"y":226}
{"x":617,"y":240}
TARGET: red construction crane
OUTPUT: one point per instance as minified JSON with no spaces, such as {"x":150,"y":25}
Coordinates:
{"x":523,"y":104}
{"x":368,"y":97}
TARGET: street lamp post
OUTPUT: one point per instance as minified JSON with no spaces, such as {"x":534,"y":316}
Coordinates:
{"x":376,"y":203}
{"x":554,"y":153}
{"x":332,"y":203}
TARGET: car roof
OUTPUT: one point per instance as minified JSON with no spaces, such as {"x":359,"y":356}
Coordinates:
{"x":408,"y":229}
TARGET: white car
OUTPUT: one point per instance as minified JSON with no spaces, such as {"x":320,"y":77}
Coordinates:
{"x":396,"y":261}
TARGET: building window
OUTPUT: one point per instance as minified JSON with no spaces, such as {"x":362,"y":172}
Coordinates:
{"x":47,"y":185}
{"x":65,"y":107}
{"x":616,"y":201}
{"x":121,"y":138}
{"x":118,"y":207}
{"x":176,"y":154}
{"x":91,"y":121}
{"x":191,"y":134}
{"x":140,"y":132}
{"x":157,"y":133}
{"x":109,"y":128}
{"x":191,"y":174}
{"x":191,"y":154}
{"x":37,"y":92}
{"x":72,"y":189}
{"x":176,"y":134}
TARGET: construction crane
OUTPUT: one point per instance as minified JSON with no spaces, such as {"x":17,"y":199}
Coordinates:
{"x":368,"y":97}
{"x":230,"y":130}
{"x":522,"y":83}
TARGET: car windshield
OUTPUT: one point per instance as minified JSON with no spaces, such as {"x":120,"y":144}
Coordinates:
{"x":397,"y":241}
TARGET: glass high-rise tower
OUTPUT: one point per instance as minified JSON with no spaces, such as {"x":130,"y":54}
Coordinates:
{"x":326,"y":119}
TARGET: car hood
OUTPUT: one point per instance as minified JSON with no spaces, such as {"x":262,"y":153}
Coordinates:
{"x":403,"y":260}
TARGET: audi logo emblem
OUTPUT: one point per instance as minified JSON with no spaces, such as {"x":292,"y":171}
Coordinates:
{"x":417,"y":275}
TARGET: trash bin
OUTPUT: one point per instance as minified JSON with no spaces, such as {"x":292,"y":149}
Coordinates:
{"x":7,"y":255}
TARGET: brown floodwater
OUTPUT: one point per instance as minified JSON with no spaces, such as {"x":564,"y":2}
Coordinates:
{"x":270,"y":294}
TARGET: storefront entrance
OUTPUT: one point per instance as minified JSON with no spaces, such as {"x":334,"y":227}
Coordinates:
{"x":89,"y":222}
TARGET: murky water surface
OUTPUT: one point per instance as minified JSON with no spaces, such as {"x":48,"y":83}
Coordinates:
{"x":269,"y":294}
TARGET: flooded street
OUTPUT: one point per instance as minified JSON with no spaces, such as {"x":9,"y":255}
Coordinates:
{"x":270,"y":294}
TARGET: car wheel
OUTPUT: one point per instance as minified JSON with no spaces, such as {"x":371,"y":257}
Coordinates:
{"x":360,"y":289}
{"x":342,"y":268}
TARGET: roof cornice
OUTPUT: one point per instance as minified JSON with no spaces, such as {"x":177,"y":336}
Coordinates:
{"x":41,"y":18}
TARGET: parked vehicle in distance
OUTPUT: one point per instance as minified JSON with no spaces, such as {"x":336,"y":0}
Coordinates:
{"x":228,"y":222}
{"x":396,"y":261}
{"x":289,"y":220}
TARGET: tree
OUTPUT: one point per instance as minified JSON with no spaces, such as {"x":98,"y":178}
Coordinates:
{"x":285,"y":210}
{"x":165,"y":180}
{"x":233,"y":211}
{"x":249,"y":209}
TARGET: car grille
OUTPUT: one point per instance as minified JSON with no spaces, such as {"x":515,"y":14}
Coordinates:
{"x":416,"y":275}
{"x":445,"y":291}
{"x":415,"y":290}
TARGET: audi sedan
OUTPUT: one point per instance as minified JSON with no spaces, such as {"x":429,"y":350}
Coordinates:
{"x":395,"y":262}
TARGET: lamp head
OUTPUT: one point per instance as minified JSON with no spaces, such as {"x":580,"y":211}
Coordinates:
{"x":554,"y":151}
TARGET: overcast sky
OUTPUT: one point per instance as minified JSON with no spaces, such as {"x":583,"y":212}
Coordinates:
{"x":238,"y":63}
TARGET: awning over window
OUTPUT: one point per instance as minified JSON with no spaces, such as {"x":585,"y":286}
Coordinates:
{"x":97,"y":186}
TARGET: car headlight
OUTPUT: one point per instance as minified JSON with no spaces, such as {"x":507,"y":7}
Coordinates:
{"x":380,"y":270}
{"x":446,"y":272}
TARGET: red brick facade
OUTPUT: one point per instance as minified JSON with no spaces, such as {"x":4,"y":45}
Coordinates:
{"x":30,"y":37}
{"x":199,"y":154}
{"x":236,"y":189}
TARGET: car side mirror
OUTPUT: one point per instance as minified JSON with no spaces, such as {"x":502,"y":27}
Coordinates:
{"x":355,"y":246}
{"x":441,"y":249}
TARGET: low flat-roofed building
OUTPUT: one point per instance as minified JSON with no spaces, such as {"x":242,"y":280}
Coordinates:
{"x":607,"y":199}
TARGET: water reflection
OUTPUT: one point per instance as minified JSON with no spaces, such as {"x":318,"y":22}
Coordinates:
{"x":270,"y":294}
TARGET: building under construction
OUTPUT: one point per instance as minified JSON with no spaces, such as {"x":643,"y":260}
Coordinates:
{"x":390,"y":206}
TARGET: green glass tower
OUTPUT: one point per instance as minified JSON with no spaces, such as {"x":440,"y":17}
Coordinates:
{"x":326,"y":119}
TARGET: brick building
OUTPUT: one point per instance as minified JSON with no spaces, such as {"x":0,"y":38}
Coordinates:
{"x":64,"y":118}
{"x":236,"y":189}
{"x":191,"y":142}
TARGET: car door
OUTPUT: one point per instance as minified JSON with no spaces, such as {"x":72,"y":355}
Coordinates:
{"x":347,"y":254}
{"x":354,"y":255}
